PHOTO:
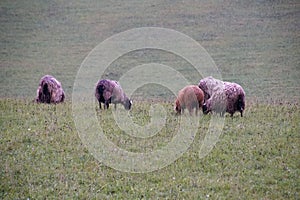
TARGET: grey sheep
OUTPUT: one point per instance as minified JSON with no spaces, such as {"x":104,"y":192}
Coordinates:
{"x":49,"y":90}
{"x":222,"y":96}
{"x":110,"y":91}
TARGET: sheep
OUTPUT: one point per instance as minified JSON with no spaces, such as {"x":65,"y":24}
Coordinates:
{"x":110,"y":91}
{"x":189,"y":97}
{"x":49,"y":91}
{"x":222,"y":96}
{"x":235,"y":98}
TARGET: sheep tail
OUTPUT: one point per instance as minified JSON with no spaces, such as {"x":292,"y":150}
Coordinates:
{"x":45,"y":88}
{"x":45,"y":95}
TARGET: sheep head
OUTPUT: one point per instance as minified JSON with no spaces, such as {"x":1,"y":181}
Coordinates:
{"x":177,"y":107}
{"x":127,"y":103}
{"x":205,"y":109}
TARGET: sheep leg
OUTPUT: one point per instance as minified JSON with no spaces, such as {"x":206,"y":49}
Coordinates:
{"x":100,"y":105}
{"x":115,"y":106}
{"x":196,"y":111}
{"x":106,"y":105}
{"x":190,"y":110}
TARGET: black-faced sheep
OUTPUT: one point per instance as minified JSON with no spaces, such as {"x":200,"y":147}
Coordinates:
{"x":223,"y":96}
{"x":109,"y":91}
{"x":189,"y":97}
{"x":49,"y":90}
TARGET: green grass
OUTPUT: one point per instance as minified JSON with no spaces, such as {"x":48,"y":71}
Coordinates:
{"x":257,"y":156}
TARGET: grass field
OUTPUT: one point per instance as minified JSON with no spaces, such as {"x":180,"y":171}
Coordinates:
{"x":253,"y":43}
{"x":42,"y":156}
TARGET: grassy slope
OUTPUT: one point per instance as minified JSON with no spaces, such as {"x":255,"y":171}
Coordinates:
{"x":253,"y":43}
{"x":42,"y":156}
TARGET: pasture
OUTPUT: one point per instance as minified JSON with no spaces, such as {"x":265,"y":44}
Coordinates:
{"x":255,"y":44}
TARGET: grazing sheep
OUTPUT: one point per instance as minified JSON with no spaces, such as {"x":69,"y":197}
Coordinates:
{"x":109,"y":91}
{"x":235,"y":98}
{"x":223,"y":97}
{"x":49,"y":90}
{"x":189,"y":97}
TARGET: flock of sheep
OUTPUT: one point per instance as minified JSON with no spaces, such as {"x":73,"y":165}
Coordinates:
{"x":212,"y":95}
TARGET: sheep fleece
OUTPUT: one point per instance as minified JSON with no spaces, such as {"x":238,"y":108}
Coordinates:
{"x":208,"y":86}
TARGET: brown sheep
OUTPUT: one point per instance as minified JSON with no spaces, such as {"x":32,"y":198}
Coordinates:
{"x":189,"y":97}
{"x":110,"y":91}
{"x":49,"y":91}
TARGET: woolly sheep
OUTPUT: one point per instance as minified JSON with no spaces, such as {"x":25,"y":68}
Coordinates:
{"x":189,"y":97}
{"x":110,"y":91}
{"x":223,"y":96}
{"x":235,"y":98}
{"x":49,"y":90}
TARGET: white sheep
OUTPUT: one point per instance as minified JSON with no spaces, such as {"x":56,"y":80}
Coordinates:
{"x":222,"y":96}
